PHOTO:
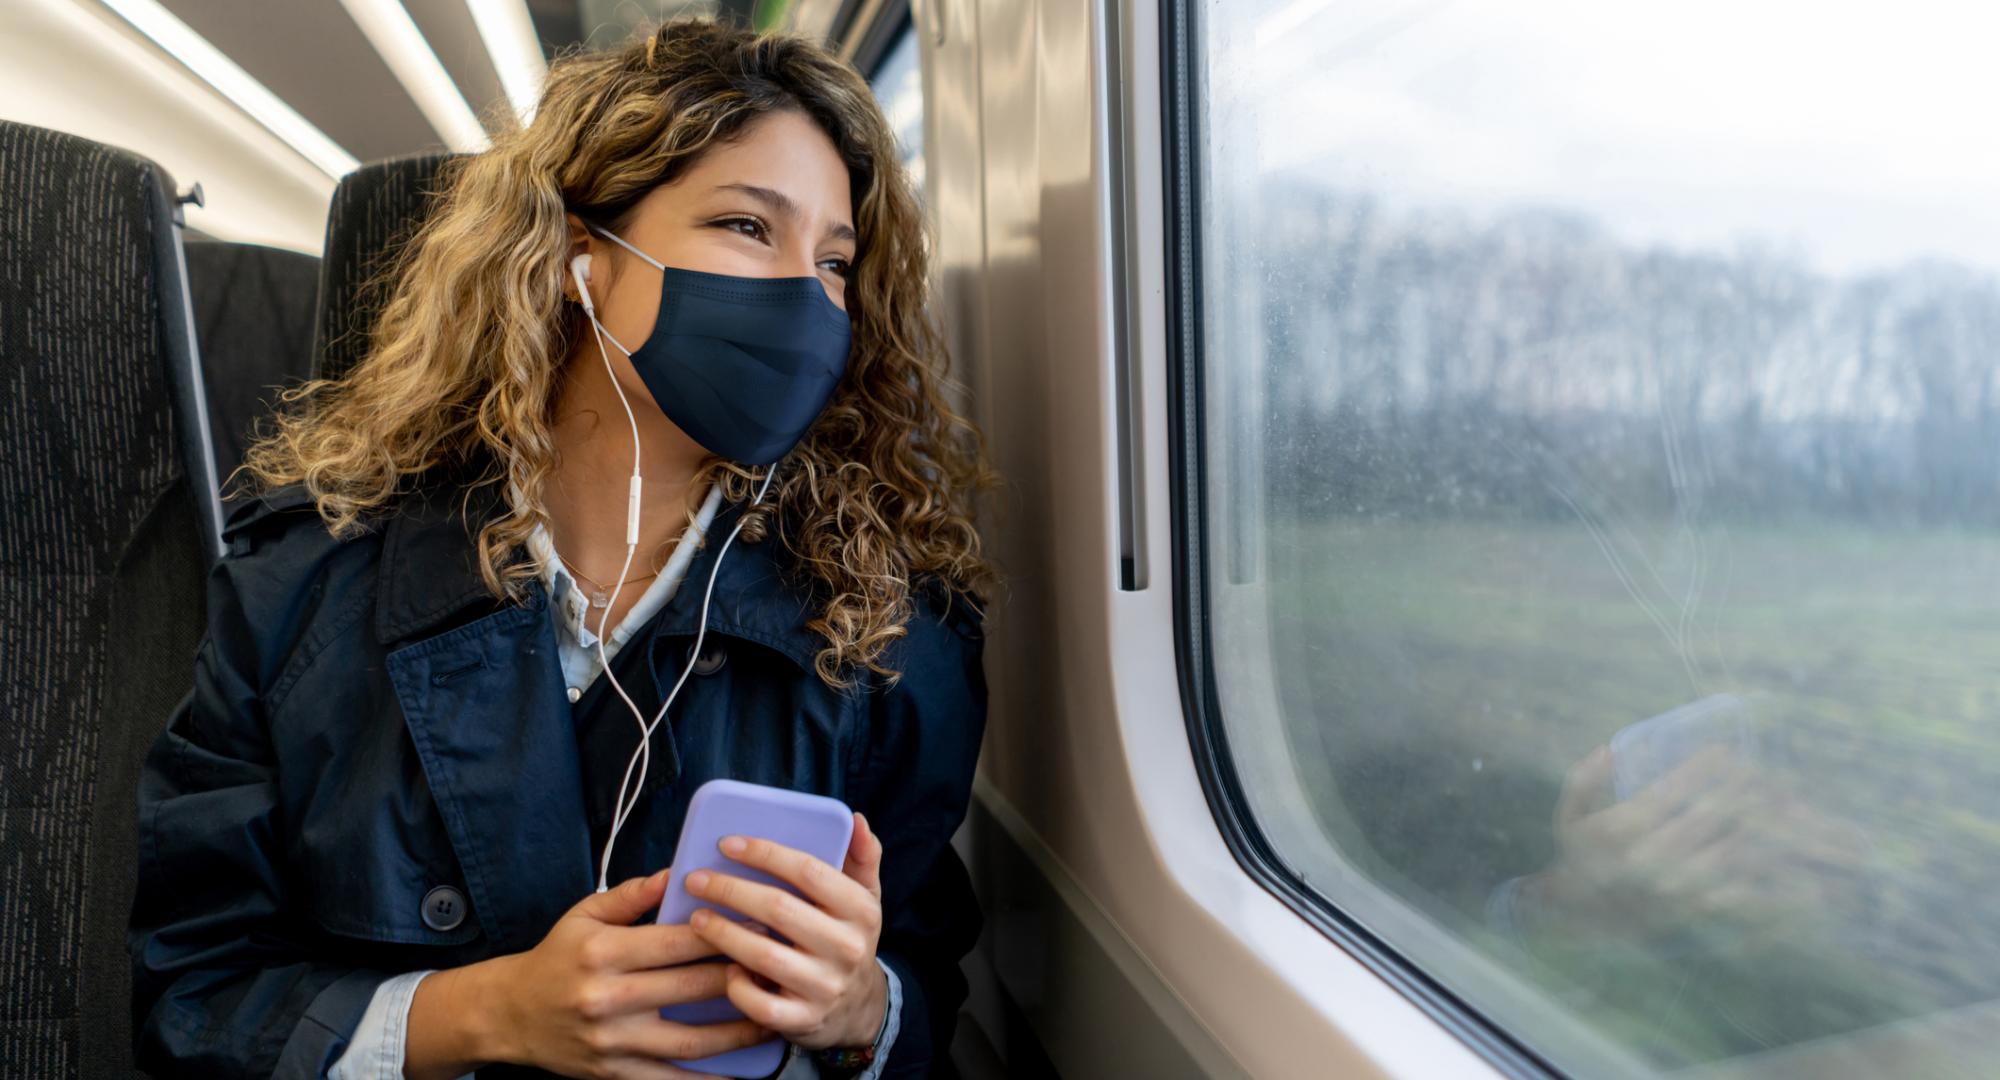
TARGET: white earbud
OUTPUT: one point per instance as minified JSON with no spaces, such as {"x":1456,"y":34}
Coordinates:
{"x":579,"y":268}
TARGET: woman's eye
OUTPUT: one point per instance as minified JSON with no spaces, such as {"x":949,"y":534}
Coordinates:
{"x":749,"y":227}
{"x":837,"y":265}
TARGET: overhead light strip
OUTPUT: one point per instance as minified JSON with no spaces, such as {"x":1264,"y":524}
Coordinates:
{"x":231,"y":81}
{"x":395,"y":36}
{"x":515,"y":48}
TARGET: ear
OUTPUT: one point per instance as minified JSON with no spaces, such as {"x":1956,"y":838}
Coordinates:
{"x":580,"y":243}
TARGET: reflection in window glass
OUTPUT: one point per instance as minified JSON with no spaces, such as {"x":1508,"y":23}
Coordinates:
{"x":899,"y":84}
{"x":1603,"y":440}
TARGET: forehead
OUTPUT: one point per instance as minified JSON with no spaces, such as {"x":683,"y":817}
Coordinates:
{"x":784,"y":152}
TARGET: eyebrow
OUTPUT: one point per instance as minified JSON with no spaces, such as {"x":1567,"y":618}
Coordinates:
{"x":782,"y":205}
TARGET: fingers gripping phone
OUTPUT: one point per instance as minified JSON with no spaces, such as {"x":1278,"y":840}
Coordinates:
{"x":815,"y":824}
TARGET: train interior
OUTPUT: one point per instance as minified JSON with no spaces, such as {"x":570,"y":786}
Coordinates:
{"x":1500,"y":511}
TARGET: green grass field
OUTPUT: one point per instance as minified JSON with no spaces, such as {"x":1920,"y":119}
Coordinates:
{"x":1441,"y":677}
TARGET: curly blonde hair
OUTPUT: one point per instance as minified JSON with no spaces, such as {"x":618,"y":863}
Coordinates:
{"x":463,"y":362}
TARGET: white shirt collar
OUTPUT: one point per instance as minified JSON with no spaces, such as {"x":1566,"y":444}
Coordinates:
{"x":574,"y":616}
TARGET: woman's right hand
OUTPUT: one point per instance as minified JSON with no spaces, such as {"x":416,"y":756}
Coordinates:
{"x":584,"y":1003}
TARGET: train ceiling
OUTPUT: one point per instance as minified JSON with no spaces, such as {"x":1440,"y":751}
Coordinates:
{"x":267,"y":103}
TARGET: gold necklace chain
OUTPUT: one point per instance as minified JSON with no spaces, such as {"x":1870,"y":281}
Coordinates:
{"x":593,"y":582}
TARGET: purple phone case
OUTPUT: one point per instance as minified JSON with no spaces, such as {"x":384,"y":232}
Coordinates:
{"x":815,"y":824}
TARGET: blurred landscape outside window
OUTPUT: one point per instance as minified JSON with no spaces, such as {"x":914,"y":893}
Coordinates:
{"x":1602,"y":423}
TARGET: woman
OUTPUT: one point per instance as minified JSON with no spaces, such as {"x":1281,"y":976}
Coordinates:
{"x":371,"y":834}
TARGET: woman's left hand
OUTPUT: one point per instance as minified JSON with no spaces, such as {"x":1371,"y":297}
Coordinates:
{"x":825,"y":988}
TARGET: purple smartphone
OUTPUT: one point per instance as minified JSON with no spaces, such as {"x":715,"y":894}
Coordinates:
{"x":815,"y":824}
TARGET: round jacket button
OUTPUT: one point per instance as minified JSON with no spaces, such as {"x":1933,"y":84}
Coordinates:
{"x":444,"y":908}
{"x":710,"y":662}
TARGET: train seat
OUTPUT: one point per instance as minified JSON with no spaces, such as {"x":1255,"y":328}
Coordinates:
{"x":253,"y":315}
{"x":102,"y":560}
{"x":376,"y":208}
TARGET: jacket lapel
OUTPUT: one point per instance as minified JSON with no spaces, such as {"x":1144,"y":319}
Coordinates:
{"x":487,"y":708}
{"x":754,"y":600}
{"x":485,"y":705}
{"x":751,"y":603}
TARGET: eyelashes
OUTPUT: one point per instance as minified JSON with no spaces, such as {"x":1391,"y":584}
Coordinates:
{"x":755,"y":229}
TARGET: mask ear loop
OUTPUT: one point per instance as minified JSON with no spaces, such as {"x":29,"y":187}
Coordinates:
{"x":642,"y":756}
{"x":621,"y":242}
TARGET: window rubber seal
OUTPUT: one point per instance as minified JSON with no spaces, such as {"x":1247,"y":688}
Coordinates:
{"x":1181,"y":97}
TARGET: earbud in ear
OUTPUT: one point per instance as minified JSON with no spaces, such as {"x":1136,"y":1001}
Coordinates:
{"x":579,"y":269}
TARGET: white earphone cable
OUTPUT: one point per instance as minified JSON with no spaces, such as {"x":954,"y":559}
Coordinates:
{"x":633,"y":509}
{"x":642,"y":755}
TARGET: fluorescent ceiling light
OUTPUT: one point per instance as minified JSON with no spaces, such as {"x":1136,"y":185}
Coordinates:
{"x":232,"y":82}
{"x":395,"y":36}
{"x":516,"y":50}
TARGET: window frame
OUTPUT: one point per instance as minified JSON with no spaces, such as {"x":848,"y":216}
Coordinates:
{"x":1181,"y":73}
{"x":880,"y":42}
{"x":880,"y":38}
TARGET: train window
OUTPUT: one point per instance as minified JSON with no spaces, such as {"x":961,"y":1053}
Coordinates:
{"x":1593,"y":504}
{"x":898,"y":82}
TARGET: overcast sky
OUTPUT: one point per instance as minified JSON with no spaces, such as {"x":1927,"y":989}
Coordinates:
{"x":1859,"y":135}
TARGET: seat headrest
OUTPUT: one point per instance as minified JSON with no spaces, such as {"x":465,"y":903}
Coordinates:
{"x":94,"y":326}
{"x":376,"y":209}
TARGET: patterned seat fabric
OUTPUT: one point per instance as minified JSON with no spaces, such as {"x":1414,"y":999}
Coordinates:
{"x":253,"y":313}
{"x":376,"y":209}
{"x":102,"y":561}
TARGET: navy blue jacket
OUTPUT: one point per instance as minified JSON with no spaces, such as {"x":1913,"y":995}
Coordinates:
{"x":368,"y":723}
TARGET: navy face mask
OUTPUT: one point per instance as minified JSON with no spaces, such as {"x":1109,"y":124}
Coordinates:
{"x":743,"y":365}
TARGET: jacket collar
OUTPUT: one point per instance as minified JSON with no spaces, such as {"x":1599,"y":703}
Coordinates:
{"x":430,"y":573}
{"x":430,"y":562}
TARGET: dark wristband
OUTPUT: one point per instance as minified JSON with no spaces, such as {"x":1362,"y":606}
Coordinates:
{"x":844,"y":1061}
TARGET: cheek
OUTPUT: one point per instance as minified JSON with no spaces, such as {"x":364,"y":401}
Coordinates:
{"x":630,"y":314}
{"x":719,"y":252}
{"x":836,"y":289}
